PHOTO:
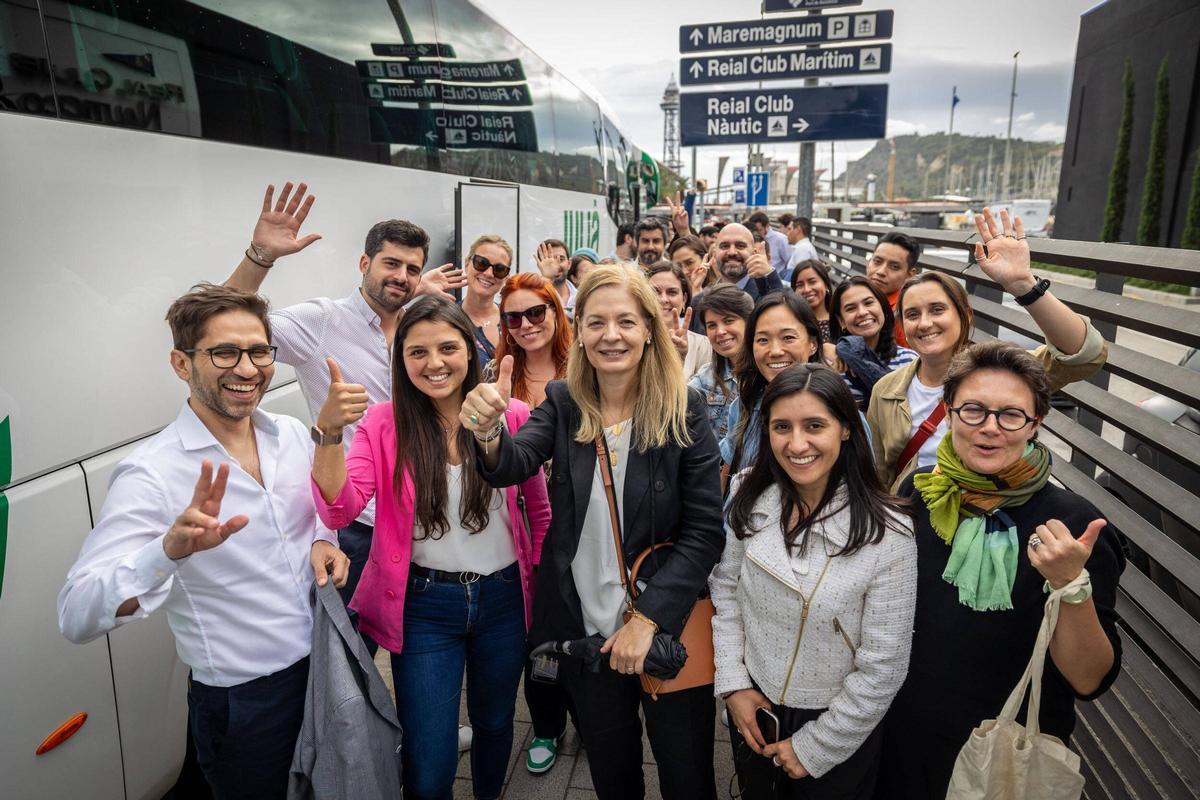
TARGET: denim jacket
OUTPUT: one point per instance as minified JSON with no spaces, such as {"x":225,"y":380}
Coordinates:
{"x":716,"y":401}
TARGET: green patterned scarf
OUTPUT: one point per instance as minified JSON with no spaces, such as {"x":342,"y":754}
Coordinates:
{"x":965,"y":511}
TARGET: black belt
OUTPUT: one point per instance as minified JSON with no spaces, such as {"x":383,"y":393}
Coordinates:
{"x":441,"y":576}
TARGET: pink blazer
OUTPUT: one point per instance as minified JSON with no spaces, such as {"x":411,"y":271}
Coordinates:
{"x":379,"y":598}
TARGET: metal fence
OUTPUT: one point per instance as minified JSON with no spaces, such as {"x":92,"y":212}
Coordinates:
{"x":1142,"y":738}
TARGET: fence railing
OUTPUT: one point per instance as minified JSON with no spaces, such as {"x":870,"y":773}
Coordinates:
{"x":1141,"y":739}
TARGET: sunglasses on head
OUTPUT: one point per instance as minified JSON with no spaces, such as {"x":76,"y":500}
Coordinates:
{"x":482,"y":265}
{"x":535,"y":315}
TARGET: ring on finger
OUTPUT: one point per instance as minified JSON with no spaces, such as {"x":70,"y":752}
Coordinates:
{"x":775,"y":761}
{"x":474,"y":419}
{"x":1035,"y":541}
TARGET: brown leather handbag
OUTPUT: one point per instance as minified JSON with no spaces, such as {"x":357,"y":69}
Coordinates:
{"x":699,"y":668}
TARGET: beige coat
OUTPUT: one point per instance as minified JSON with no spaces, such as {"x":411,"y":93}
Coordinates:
{"x":891,"y":419}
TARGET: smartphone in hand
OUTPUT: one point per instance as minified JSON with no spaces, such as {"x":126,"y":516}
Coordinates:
{"x":768,"y":725}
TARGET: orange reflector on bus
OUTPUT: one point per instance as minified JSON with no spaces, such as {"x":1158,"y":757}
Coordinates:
{"x":62,"y":733}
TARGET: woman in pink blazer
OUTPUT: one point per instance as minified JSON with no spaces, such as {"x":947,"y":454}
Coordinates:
{"x":448,"y":586}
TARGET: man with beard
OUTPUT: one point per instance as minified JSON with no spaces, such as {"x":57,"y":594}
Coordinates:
{"x":554,"y":262}
{"x":651,"y":236}
{"x":626,"y":249}
{"x":356,"y":331}
{"x":233,"y":569}
{"x":743,"y":263}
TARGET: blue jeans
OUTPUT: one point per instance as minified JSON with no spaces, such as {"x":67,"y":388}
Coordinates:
{"x":245,"y":734}
{"x":449,"y":627}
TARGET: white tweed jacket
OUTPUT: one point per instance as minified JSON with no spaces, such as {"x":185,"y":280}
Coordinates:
{"x":816,"y":632}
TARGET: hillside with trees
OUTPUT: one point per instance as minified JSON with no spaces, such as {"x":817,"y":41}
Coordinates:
{"x":921,"y":167}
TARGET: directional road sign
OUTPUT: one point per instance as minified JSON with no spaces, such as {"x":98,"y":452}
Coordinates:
{"x":773,"y":6}
{"x":739,"y":197}
{"x":739,"y":174}
{"x":424,"y":50}
{"x":456,"y":71}
{"x":751,"y":116}
{"x":454,"y":130}
{"x":786,"y":64}
{"x":756,"y":188}
{"x":788,"y":32}
{"x":451,"y":94}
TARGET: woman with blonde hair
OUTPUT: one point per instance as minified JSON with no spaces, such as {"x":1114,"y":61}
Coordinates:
{"x":488,"y":263}
{"x":624,"y":400}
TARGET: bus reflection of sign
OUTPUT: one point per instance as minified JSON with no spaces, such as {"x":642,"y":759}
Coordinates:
{"x":449,"y":129}
{"x":424,"y":50}
{"x":452,"y":94}
{"x":455,"y":71}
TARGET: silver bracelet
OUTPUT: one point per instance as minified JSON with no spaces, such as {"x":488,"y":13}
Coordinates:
{"x":491,"y":435}
{"x":256,"y":256}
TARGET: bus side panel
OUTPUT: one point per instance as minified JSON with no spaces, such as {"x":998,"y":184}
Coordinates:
{"x":44,"y":679}
{"x":579,"y":220}
{"x":149,"y":678}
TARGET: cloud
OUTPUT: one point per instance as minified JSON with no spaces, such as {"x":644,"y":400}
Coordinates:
{"x":1026,"y":117}
{"x":1050,"y":131}
{"x":902,"y":127}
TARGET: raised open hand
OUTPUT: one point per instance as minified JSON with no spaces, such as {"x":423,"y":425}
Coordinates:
{"x":275,"y":233}
{"x":345,"y":404}
{"x":548,"y":262}
{"x":198,"y":528}
{"x":679,"y":215}
{"x":484,"y":405}
{"x":442,"y":280}
{"x":678,"y":328}
{"x":758,"y":265}
{"x":1003,"y":253}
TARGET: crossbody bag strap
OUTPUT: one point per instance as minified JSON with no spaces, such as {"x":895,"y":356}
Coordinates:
{"x":614,"y":516}
{"x":922,"y":435}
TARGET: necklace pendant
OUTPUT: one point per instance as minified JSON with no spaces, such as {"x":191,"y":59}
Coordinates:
{"x":612,"y":458}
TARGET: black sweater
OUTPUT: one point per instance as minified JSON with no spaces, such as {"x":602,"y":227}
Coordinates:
{"x":965,"y":663}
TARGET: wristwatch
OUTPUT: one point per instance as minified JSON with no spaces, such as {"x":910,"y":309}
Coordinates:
{"x":321,"y":438}
{"x":1034,"y":294}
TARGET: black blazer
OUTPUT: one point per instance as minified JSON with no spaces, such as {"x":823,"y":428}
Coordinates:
{"x":672,"y":493}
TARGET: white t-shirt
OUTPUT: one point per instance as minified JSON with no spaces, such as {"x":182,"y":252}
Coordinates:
{"x":595,"y":569}
{"x":922,"y":400}
{"x":459,"y":550}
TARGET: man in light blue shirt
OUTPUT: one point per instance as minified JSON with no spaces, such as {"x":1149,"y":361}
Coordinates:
{"x":777,"y":243}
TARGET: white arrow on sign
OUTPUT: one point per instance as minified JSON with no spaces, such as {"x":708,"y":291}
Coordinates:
{"x":431,"y":136}
{"x":696,"y":37}
{"x":516,"y":94}
{"x":801,"y":125}
{"x":696,"y":69}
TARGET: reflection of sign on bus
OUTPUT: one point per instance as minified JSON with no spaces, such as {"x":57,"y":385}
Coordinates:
{"x":449,"y":129}
{"x":454,"y":94}
{"x":458,"y":71}
{"x":138,"y":78}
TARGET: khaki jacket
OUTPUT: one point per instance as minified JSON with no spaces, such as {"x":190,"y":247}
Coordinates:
{"x":891,"y":419}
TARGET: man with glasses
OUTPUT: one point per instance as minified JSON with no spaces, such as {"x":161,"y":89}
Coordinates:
{"x":233,"y":569}
{"x":355,"y":330}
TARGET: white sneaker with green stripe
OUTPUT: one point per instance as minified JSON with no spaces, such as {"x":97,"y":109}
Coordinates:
{"x":541,"y":754}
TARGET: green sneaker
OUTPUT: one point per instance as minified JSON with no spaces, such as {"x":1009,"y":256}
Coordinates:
{"x":541,"y":755}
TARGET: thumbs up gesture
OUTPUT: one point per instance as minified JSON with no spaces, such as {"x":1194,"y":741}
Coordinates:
{"x":486,"y":403}
{"x":758,"y":265}
{"x":1058,"y":555}
{"x":345,"y":405}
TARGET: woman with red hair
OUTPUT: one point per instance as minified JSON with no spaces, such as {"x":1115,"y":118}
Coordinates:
{"x":535,"y":331}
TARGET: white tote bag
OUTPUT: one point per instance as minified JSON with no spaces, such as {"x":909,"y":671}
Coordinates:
{"x":1003,"y":760}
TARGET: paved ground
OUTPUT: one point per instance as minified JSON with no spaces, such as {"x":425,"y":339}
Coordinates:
{"x":570,"y":778}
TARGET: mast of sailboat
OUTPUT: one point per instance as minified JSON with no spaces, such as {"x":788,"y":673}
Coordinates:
{"x":1012,"y":99}
{"x":950,"y":138}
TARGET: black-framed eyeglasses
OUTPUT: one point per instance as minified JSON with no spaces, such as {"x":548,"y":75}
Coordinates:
{"x":1009,"y":419}
{"x":535,"y":315}
{"x":227,"y":356}
{"x":483,"y":265}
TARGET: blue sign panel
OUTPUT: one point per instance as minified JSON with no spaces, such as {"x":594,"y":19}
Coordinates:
{"x":756,"y":188}
{"x":790,"y":32}
{"x":739,"y":174}
{"x":774,"y":6}
{"x":787,"y":64}
{"x":751,"y":116}
{"x":739,"y":196}
{"x":449,"y":129}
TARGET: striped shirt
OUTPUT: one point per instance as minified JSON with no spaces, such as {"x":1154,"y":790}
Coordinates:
{"x":903,"y":356}
{"x":349,"y":330}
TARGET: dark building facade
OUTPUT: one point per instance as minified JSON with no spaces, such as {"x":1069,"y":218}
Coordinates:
{"x":1145,"y":32}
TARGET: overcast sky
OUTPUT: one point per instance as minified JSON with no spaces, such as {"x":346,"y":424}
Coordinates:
{"x":626,"y":50}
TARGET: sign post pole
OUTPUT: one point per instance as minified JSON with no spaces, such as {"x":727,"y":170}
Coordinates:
{"x":807,"y":161}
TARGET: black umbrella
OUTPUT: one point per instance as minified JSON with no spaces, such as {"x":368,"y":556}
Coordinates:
{"x":665,"y":659}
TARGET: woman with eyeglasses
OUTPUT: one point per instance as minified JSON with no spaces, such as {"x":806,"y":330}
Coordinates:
{"x":906,"y":413}
{"x":448,"y":589}
{"x":488,"y":263}
{"x":814,"y":598}
{"x":993,"y":536}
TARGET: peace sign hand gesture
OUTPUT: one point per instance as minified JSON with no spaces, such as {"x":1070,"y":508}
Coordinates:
{"x":700,"y":274}
{"x":1003,"y":253}
{"x":679,"y":330}
{"x":679,"y":215}
{"x":275,"y":232}
{"x":198,"y":528}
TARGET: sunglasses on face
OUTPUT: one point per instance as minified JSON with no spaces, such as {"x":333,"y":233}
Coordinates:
{"x":483,"y":265}
{"x":535,"y":315}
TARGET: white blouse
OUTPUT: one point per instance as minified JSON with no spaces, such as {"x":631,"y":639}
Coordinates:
{"x":459,"y":550}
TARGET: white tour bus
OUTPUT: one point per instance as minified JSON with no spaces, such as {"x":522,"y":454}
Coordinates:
{"x":137,"y":141}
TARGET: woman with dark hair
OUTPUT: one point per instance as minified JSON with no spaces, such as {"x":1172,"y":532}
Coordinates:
{"x":624,"y":404}
{"x":691,"y":254}
{"x":814,"y":597}
{"x":993,"y":536}
{"x":675,"y":300}
{"x":781,"y":332}
{"x":906,"y":413}
{"x":863,"y":336}
{"x":448,"y":586}
{"x":537,"y":334}
{"x":811,"y":281}
{"x":723,"y":312}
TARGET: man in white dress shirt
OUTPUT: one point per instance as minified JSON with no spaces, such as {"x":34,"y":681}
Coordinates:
{"x":777,"y":243}
{"x":236,"y":592}
{"x":798,"y":233}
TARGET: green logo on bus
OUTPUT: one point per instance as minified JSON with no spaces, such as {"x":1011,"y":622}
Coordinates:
{"x":581,"y":229}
